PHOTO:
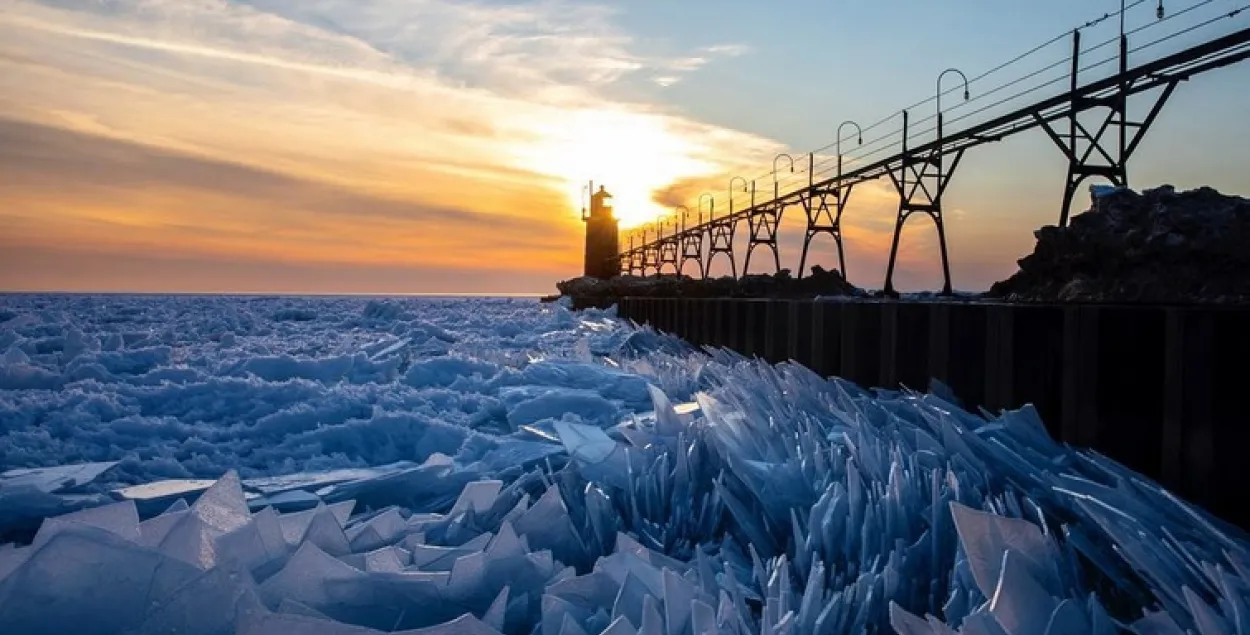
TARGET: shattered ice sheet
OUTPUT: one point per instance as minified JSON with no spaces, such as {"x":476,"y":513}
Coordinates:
{"x":188,"y":387}
{"x":55,"y":479}
{"x":357,"y":466}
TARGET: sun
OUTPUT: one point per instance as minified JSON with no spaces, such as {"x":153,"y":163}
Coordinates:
{"x":631,"y":154}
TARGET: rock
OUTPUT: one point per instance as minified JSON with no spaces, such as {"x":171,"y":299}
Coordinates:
{"x":780,"y":285}
{"x":1159,"y":246}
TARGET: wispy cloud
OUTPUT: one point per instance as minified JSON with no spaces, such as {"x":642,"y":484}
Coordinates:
{"x":552,"y":49}
{"x":163,"y":202}
{"x":728,"y":50}
{"x":499,"y":110}
{"x":674,"y":68}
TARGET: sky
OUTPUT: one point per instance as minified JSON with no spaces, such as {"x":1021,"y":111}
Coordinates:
{"x":441,"y":146}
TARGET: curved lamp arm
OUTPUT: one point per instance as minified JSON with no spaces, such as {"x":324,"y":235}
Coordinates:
{"x":859,"y":136}
{"x":731,"y":191}
{"x":776,"y":186}
{"x":967,"y":94}
{"x":711,"y":206}
{"x":859,"y":133}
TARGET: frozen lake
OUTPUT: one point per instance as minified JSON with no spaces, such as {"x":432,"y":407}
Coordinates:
{"x":189,"y":387}
{"x":353,"y":465}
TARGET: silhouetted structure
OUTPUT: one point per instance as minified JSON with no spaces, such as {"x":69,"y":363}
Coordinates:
{"x":602,"y":248}
{"x":1090,"y":123}
{"x":1157,"y":388}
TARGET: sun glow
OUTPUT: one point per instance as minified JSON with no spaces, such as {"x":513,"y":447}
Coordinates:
{"x":249,"y":133}
{"x":632,"y":154}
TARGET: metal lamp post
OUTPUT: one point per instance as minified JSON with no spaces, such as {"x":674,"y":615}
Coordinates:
{"x":859,"y":135}
{"x":967,"y":95}
{"x":1123,"y":98}
{"x":731,"y":191}
{"x":776,"y":185}
{"x":711,"y":206}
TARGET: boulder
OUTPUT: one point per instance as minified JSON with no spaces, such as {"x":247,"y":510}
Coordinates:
{"x":821,"y":282}
{"x":1158,"y":246}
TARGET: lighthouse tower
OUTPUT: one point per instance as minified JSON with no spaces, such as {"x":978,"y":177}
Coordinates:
{"x":602,"y":248}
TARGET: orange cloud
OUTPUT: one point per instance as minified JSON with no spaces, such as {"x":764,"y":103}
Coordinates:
{"x":226,"y":130}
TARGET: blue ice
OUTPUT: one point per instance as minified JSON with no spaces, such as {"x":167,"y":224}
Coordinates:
{"x":344,"y":465}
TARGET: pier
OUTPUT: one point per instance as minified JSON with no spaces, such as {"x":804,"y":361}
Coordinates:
{"x":1157,"y":388}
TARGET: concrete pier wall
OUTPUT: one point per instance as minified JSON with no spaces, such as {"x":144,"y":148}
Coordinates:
{"x":1160,"y":389}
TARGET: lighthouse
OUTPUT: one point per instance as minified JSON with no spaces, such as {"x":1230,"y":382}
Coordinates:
{"x":602,"y":248}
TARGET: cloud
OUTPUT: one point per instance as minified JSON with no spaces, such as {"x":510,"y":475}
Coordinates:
{"x":675,"y":68}
{"x":493,"y":113}
{"x":728,"y":50}
{"x":551,"y":48}
{"x":288,"y":80}
{"x":95,"y":269}
{"x":79,"y":191}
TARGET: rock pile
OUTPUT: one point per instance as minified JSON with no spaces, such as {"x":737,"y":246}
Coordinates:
{"x":1159,"y":246}
{"x":821,"y":282}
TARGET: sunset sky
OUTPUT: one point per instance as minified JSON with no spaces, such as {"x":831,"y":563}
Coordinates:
{"x":440,"y":146}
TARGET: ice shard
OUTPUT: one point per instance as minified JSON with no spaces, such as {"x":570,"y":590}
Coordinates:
{"x":192,"y":542}
{"x":678,"y":598}
{"x":294,"y":525}
{"x":477,"y":496}
{"x":289,"y":501}
{"x":305,"y":577}
{"x":87,"y":580}
{"x":1020,"y":604}
{"x":53,"y":480}
{"x":286,"y":624}
{"x":120,"y":519}
{"x":223,"y":507}
{"x":153,"y":530}
{"x":620,"y":626}
{"x":150,"y":497}
{"x":382,"y":529}
{"x":385,"y":560}
{"x":987,"y":537}
{"x":783,"y":503}
{"x":211,"y":604}
{"x":325,"y":531}
{"x":254,"y":545}
{"x":496,"y":614}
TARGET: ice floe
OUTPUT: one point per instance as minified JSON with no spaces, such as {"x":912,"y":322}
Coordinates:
{"x":704,"y":494}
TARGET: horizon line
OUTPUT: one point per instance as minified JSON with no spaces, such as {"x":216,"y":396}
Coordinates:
{"x":337,"y":294}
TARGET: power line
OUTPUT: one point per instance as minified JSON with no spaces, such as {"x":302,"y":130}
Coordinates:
{"x":862,"y":152}
{"x":1059,"y":63}
{"x":1004,"y":65}
{"x":1064,"y":62}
